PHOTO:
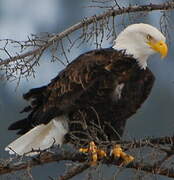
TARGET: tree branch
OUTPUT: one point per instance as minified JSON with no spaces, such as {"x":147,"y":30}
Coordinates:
{"x":85,"y":22}
{"x":74,"y":171}
{"x":17,"y":164}
{"x":43,"y":158}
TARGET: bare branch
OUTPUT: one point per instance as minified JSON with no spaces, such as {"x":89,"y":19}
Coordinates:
{"x":17,"y":164}
{"x":87,"y":21}
{"x":43,"y":158}
{"x":93,"y":30}
{"x":74,"y":171}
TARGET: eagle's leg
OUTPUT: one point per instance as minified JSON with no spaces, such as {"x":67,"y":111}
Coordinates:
{"x":118,"y":152}
{"x":95,"y":153}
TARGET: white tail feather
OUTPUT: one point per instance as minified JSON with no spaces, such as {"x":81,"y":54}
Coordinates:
{"x":40,"y":137}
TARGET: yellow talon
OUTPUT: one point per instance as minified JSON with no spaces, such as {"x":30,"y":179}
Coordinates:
{"x":118,"y":152}
{"x":101,"y":153}
{"x":94,"y":151}
{"x":83,"y":150}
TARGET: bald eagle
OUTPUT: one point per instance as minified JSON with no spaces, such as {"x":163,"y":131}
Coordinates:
{"x":91,"y":99}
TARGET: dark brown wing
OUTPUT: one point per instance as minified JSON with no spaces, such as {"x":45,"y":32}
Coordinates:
{"x":61,"y":95}
{"x":84,"y":91}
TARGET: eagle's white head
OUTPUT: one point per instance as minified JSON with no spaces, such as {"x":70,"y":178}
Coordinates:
{"x":141,"y":41}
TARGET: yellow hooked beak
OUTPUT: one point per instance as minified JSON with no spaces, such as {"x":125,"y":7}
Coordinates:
{"x":159,"y":46}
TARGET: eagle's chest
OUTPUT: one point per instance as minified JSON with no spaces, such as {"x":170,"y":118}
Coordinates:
{"x":120,"y":83}
{"x":133,"y":88}
{"x":117,"y":92}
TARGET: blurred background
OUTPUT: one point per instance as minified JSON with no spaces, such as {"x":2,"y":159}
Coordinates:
{"x":20,"y":18}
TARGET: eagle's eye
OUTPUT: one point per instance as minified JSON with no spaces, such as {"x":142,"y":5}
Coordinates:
{"x":149,"y":37}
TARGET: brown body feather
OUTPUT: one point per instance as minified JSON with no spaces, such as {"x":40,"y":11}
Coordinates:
{"x":84,"y":91}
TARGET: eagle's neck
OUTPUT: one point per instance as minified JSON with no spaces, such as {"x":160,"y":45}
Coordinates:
{"x":142,"y":61}
{"x":141,"y":58}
